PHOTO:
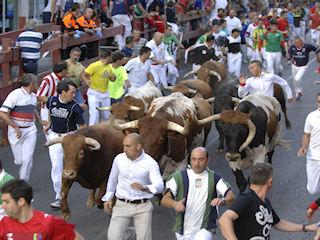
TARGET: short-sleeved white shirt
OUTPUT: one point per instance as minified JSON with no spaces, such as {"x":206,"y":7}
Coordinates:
{"x":21,"y":106}
{"x":197,"y":197}
{"x":312,"y":127}
{"x":138,"y":71}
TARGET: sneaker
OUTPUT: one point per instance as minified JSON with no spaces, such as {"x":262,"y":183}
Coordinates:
{"x":56,"y":204}
{"x":298,"y":97}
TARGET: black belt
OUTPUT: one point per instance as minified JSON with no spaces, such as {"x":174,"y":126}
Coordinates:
{"x":144,"y":200}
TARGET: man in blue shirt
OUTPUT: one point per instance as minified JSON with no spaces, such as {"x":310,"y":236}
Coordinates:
{"x":65,"y":116}
{"x":120,"y":15}
{"x":299,"y":55}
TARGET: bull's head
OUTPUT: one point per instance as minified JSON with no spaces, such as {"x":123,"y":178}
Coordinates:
{"x":74,"y":146}
{"x":154,"y":132}
{"x":120,"y":110}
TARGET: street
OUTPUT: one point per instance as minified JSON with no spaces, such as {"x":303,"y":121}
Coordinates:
{"x":288,"y":196}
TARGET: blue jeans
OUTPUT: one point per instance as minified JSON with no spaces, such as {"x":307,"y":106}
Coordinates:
{"x":78,"y":97}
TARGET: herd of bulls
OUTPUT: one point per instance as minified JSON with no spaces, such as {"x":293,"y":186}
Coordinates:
{"x":171,"y":126}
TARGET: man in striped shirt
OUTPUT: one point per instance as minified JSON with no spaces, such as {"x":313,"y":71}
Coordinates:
{"x":18,"y":111}
{"x":48,"y":87}
{"x":30,"y":42}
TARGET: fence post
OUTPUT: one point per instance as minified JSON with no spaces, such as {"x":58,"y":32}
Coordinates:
{"x":6,"y":71}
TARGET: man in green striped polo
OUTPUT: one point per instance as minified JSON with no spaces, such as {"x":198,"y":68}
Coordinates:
{"x":195,"y":193}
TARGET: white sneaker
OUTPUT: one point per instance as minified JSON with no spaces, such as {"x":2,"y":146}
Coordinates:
{"x":56,"y":204}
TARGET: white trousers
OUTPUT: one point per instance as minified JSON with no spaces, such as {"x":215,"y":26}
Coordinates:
{"x":234,"y":63}
{"x":203,"y":234}
{"x":313,"y":176}
{"x":56,"y":157}
{"x":297,"y":74}
{"x":159,"y":74}
{"x":315,"y":36}
{"x":274,"y":62}
{"x":122,"y":215}
{"x":173,"y":73}
{"x":23,"y":149}
{"x":97,"y":99}
{"x":124,"y":20}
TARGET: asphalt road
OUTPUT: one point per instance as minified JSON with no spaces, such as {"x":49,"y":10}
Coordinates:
{"x":289,"y":195}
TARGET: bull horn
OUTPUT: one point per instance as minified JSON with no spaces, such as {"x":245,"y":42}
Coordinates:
{"x":235,"y":100}
{"x":168,"y":88}
{"x":211,"y":100}
{"x":94,"y":144}
{"x":216,"y":74}
{"x":252,"y":133}
{"x":134,"y":108}
{"x":54,"y":141}
{"x":190,"y":73}
{"x":124,"y":126}
{"x":211,"y":118}
{"x":192,"y":91}
{"x":106,"y":108}
{"x":178,"y":128}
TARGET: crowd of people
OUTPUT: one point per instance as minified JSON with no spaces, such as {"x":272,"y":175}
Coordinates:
{"x":248,"y":31}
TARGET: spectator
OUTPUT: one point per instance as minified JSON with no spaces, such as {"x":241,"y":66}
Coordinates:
{"x":127,"y":50}
{"x":4,"y":178}
{"x":69,"y":23}
{"x":223,"y":31}
{"x":298,"y":15}
{"x":30,"y":42}
{"x":159,"y":57}
{"x":121,"y":17}
{"x":47,"y":12}
{"x":299,"y":55}
{"x":139,"y":69}
{"x":75,"y":69}
{"x":133,"y":191}
{"x":310,"y":146}
{"x":49,"y":85}
{"x":120,"y":84}
{"x":97,"y":76}
{"x":23,"y":220}
{"x":195,"y":193}
{"x":19,"y":112}
{"x":232,"y":22}
{"x":218,"y":5}
{"x":138,"y":42}
{"x":241,"y":220}
{"x":315,"y":27}
{"x":65,"y":116}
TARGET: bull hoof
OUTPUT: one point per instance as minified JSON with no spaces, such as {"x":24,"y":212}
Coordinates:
{"x":66,"y":216}
{"x":220,"y":150}
{"x":90,"y":203}
{"x":288,"y":125}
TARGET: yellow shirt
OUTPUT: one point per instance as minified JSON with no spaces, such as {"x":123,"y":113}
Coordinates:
{"x":116,"y":88}
{"x":99,"y":75}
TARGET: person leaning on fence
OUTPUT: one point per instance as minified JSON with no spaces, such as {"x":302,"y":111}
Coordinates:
{"x":30,"y":42}
{"x":195,"y":194}
{"x":25,"y":222}
{"x":19,"y":112}
{"x":138,"y":42}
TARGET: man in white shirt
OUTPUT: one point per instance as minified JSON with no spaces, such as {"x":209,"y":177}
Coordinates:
{"x":262,"y":83}
{"x":192,"y":193}
{"x":219,"y":4}
{"x":134,"y":179}
{"x":138,"y":69}
{"x":310,"y":145}
{"x":159,"y":57}
{"x":232,"y":21}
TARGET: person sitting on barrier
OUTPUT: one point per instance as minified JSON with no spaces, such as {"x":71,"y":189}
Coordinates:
{"x":69,"y":23}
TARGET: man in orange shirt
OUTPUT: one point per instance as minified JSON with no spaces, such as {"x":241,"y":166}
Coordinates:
{"x":69,"y":23}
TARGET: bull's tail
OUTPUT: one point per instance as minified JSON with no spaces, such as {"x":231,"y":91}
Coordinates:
{"x":285,"y":143}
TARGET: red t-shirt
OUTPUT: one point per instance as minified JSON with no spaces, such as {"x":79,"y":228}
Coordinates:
{"x":41,"y":226}
{"x":282,"y":25}
{"x":315,"y":21}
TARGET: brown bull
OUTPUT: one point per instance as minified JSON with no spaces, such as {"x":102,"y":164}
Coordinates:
{"x":192,"y":86}
{"x":135,"y":104}
{"x":88,"y":157}
{"x":171,"y":126}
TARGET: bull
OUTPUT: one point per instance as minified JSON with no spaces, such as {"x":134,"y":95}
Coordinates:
{"x":135,"y":104}
{"x":252,"y":131}
{"x":88,"y":158}
{"x":171,"y":128}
